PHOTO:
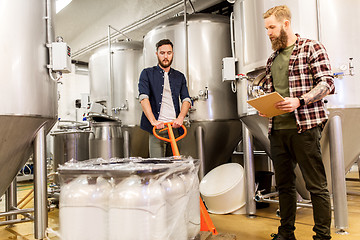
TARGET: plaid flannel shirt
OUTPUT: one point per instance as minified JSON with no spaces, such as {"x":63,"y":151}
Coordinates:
{"x":309,"y":66}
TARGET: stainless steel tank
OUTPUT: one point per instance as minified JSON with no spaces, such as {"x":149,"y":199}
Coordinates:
{"x":215,"y":129}
{"x":345,"y":61}
{"x":106,"y":140}
{"x":28,"y":95}
{"x":314,"y":20}
{"x":208,"y":42}
{"x":122,"y":97}
{"x":252,"y":46}
{"x":126,"y":66}
{"x":70,"y":142}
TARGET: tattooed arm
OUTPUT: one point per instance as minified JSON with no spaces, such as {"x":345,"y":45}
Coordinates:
{"x":316,"y":94}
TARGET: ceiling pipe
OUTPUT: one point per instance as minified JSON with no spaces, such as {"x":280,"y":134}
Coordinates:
{"x":126,"y":29}
{"x":199,"y":4}
{"x":186,"y":56}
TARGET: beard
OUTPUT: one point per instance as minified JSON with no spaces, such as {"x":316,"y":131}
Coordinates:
{"x":279,"y":42}
{"x":165,"y":62}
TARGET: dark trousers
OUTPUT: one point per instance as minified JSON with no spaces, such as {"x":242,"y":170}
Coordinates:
{"x":288,"y":148}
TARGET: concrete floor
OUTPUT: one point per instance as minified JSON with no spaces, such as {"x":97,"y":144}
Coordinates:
{"x":230,"y":227}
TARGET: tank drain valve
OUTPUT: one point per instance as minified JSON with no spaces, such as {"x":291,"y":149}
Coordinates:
{"x":124,"y":106}
{"x":203,"y":94}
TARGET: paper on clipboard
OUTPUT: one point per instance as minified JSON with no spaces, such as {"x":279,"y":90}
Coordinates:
{"x":265,"y":104}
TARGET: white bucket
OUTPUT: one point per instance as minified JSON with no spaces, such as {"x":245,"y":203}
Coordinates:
{"x":223,"y":188}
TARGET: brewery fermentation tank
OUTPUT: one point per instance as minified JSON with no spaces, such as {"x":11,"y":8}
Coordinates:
{"x":345,"y":62}
{"x":121,"y":98}
{"x":28,"y":94}
{"x":214,"y":128}
{"x":126,"y":66}
{"x":208,"y":42}
{"x":253,"y":48}
{"x":339,"y":145}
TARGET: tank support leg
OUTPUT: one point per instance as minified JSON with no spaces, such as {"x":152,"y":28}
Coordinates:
{"x":338,"y":174}
{"x":11,"y":199}
{"x":126,"y":144}
{"x":249,"y":171}
{"x":200,"y":150}
{"x":40,"y":185}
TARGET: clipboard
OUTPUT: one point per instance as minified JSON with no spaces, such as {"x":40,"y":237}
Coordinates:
{"x":265,"y":104}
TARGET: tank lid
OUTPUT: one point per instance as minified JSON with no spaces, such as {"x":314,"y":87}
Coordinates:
{"x":71,"y":125}
{"x":98,"y":118}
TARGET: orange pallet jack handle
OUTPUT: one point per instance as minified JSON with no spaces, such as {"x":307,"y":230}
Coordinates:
{"x":172,"y":140}
{"x":206,"y":223}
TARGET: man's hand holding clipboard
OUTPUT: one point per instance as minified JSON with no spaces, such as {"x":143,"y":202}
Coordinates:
{"x":270,"y":105}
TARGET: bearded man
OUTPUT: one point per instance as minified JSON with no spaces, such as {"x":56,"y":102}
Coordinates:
{"x":300,"y":71}
{"x":160,"y":89}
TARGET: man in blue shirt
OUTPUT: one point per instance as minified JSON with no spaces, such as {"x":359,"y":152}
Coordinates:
{"x":160,"y":88}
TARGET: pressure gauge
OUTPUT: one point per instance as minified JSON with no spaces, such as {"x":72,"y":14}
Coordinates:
{"x":343,"y":67}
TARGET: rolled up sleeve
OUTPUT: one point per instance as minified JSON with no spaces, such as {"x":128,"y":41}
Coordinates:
{"x":184,"y":92}
{"x":143,"y":86}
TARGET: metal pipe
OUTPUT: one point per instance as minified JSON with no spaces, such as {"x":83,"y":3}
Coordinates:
{"x":127,"y":28}
{"x":338,"y":173}
{"x":186,"y":53}
{"x":109,"y":102}
{"x":200,"y":150}
{"x":24,"y":212}
{"x":40,"y":184}
{"x":266,"y":198}
{"x":249,"y":171}
{"x":11,"y":222}
{"x":318,"y":19}
{"x":18,"y":211}
{"x":232,"y":34}
{"x":126,"y":144}
{"x":258,"y":152}
{"x":268,"y":195}
{"x":305,"y":205}
{"x":192,"y":6}
{"x":11,"y":199}
{"x":49,"y":38}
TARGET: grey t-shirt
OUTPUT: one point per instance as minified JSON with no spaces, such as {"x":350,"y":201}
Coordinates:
{"x":167,"y":109}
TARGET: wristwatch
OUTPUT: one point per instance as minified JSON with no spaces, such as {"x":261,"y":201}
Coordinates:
{"x":302,"y":101}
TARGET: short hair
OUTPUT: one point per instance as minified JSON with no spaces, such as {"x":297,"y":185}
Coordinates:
{"x":163,"y":42}
{"x":280,"y":12}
